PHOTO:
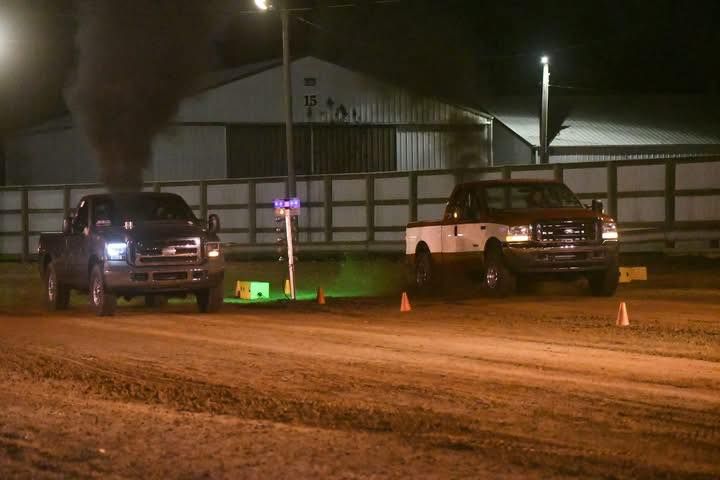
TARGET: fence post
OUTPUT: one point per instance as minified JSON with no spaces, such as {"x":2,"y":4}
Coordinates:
{"x":370,"y":207}
{"x":669,"y":201}
{"x":252,"y":213}
{"x":413,"y":197}
{"x":612,"y":189}
{"x":328,"y":208}
{"x":25,"y":223}
{"x":506,"y":172}
{"x":203,"y":201}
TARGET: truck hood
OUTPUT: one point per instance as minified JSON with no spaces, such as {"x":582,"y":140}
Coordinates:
{"x":528,"y":216}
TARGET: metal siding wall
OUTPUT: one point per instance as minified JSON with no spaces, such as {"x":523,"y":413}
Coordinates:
{"x":258,"y":99}
{"x":189,"y":153}
{"x":56,"y":157}
{"x":425,"y":148}
{"x":612,"y":155}
{"x":353,"y":149}
{"x":256,"y":151}
{"x":509,"y":149}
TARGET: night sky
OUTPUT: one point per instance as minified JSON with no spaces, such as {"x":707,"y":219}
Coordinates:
{"x":458,"y":49}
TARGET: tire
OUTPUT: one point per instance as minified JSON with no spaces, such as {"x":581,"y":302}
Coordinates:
{"x":101,"y":301}
{"x":57,"y":295}
{"x":424,"y":275}
{"x":210,"y":300}
{"x":604,"y":283}
{"x":498,"y":280}
{"x":155,"y":301}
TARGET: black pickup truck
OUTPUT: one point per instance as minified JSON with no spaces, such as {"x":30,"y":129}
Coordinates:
{"x":133,"y":244}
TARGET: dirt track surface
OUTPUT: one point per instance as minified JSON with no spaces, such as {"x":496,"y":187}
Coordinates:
{"x":532,"y":387}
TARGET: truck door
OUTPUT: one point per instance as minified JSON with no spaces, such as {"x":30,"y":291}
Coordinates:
{"x":77,"y":246}
{"x":471,"y":227}
{"x":449,"y":228}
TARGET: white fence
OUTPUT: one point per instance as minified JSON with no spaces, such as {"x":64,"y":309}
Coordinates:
{"x":659,"y":204}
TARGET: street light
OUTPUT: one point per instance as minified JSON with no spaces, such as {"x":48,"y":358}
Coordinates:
{"x":544,"y":153}
{"x":287,"y":88}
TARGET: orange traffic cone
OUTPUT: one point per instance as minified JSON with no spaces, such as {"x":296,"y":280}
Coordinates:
{"x":622,"y":317}
{"x":320,"y":296}
{"x":405,"y":303}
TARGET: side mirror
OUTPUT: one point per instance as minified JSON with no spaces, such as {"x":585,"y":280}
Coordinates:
{"x":597,"y":206}
{"x":213,"y":223}
{"x":67,"y":225}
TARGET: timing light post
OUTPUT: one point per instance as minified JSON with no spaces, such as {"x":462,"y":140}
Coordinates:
{"x":544,"y":154}
{"x":287,"y":90}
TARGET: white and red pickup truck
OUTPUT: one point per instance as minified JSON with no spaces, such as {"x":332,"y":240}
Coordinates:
{"x":511,"y":231}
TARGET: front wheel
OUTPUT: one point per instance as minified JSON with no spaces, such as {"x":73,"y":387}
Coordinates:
{"x":424,"y":275}
{"x":102,"y":302}
{"x":498,"y":281}
{"x":210,"y":300}
{"x":604,"y":283}
{"x":57,"y":295}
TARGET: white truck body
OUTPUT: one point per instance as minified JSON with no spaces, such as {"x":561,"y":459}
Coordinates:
{"x":508,"y":228}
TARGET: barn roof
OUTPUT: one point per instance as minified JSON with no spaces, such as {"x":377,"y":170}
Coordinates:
{"x":613,"y":121}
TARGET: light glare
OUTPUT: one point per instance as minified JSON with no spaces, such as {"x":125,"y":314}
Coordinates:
{"x":116,"y":251}
{"x":544,"y":60}
{"x":261,"y":4}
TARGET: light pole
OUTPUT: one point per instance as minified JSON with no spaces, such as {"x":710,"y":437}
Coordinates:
{"x":544,"y":156}
{"x":287,"y":91}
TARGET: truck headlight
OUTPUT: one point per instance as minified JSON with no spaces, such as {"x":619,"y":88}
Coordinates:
{"x":609,"y":230}
{"x":116,"y":251}
{"x":519,"y":233}
{"x":212,"y":249}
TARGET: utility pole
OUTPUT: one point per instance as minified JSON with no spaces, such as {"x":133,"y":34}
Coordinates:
{"x":287,"y":90}
{"x":287,"y":87}
{"x":544,"y":153}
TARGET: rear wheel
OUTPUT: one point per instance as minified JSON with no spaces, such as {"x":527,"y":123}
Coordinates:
{"x":498,"y":281}
{"x":424,"y":275}
{"x":102,"y":302}
{"x":210,"y":300}
{"x":604,"y":283}
{"x":57,"y":295}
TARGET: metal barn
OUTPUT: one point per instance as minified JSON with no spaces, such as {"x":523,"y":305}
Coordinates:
{"x":345,"y":122}
{"x":606,"y":128}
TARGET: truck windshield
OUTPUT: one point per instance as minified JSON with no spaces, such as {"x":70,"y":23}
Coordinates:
{"x":530,"y":195}
{"x":118,"y":209}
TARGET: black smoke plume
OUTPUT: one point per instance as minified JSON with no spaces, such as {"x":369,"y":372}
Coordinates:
{"x":136,"y":60}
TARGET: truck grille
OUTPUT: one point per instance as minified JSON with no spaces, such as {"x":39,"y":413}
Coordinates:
{"x":167,"y":252}
{"x":565,"y":231}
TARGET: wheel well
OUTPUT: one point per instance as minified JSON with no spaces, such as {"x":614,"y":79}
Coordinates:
{"x":93,"y":261}
{"x":422,"y":247}
{"x":493,"y":245}
{"x":45,"y":262}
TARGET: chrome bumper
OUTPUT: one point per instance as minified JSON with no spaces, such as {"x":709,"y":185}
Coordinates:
{"x":566,"y":258}
{"x":123,"y":278}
